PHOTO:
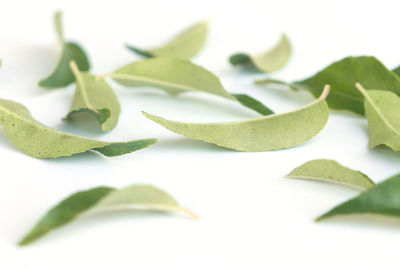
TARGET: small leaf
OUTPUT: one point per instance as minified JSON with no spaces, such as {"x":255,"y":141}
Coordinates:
{"x":95,"y":96}
{"x":176,"y":76}
{"x":331,"y":171}
{"x":382,"y":109}
{"x":253,"y":104}
{"x":37,"y":140}
{"x":342,"y":76}
{"x":267,"y":62}
{"x":261,"y":134}
{"x":62,"y":76}
{"x":185,"y":46}
{"x":383,"y":199}
{"x":102,"y":199}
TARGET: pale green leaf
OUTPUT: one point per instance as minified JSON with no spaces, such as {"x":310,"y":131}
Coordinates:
{"x":176,"y":76}
{"x":103,"y":199}
{"x":37,"y":140}
{"x":382,"y":109}
{"x":261,"y":134}
{"x":62,"y":76}
{"x":270,"y":61}
{"x":331,"y":171}
{"x":185,"y":46}
{"x":342,"y":76}
{"x":383,"y":199}
{"x":95,"y":96}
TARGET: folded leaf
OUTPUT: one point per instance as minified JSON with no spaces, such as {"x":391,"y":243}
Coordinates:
{"x":37,"y":140}
{"x":342,"y":76}
{"x":331,"y":171}
{"x":62,"y":76}
{"x":185,"y":46}
{"x":383,"y":199}
{"x":102,"y":199}
{"x":382,"y":109}
{"x":176,"y":76}
{"x":267,"y":62}
{"x":261,"y":134}
{"x":95,"y":96}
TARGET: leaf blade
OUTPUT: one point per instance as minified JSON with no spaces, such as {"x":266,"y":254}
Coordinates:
{"x":260,"y":134}
{"x":269,"y":61}
{"x":95,"y":96}
{"x":383,"y":199}
{"x":100,"y":200}
{"x":185,"y":46}
{"x":331,"y":171}
{"x":40,"y":141}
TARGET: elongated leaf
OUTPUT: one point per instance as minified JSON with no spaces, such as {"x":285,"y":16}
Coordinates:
{"x":176,"y":76}
{"x":62,"y":76}
{"x":382,"y":109}
{"x":253,"y":104}
{"x":267,"y":62}
{"x":95,"y":96}
{"x":383,"y":199}
{"x":185,"y":46}
{"x":103,"y":199}
{"x":331,"y":171}
{"x":37,"y":140}
{"x":261,"y":134}
{"x":342,"y":76}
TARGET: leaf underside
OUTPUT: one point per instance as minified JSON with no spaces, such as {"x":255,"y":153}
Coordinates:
{"x":266,"y":133}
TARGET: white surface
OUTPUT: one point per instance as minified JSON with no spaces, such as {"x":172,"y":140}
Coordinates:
{"x":250,"y":216}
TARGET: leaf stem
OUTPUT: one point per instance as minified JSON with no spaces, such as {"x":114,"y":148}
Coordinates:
{"x":361,"y":88}
{"x":325,"y":92}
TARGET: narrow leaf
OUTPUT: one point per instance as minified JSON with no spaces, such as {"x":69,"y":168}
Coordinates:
{"x":185,"y":46}
{"x":62,"y":76}
{"x":253,"y":104}
{"x":342,"y":76}
{"x":261,"y":134}
{"x":102,"y":199}
{"x":267,"y":62}
{"x":40,"y":141}
{"x":382,"y":109}
{"x":95,"y":96}
{"x":176,"y":76}
{"x":383,"y":199}
{"x":331,"y":171}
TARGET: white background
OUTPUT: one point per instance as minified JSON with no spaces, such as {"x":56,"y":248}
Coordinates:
{"x":250,"y":215}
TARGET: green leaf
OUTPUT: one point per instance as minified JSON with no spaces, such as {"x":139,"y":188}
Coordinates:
{"x":253,"y":104}
{"x":100,"y":200}
{"x":270,"y":61}
{"x":62,"y":76}
{"x":331,"y":171}
{"x":261,"y":134}
{"x":382,"y":109}
{"x":185,"y":46}
{"x":383,"y":199}
{"x":37,"y":140}
{"x":95,"y":96}
{"x":342,"y":76}
{"x":176,"y":76}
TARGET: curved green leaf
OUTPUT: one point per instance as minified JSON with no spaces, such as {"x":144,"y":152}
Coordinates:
{"x":261,"y":134}
{"x":176,"y":76}
{"x":253,"y":104}
{"x":185,"y":46}
{"x":270,"y":61}
{"x":95,"y":96}
{"x":331,"y":171}
{"x":62,"y":76}
{"x":382,"y":109}
{"x":383,"y":199}
{"x":342,"y":76}
{"x":37,"y":140}
{"x":102,"y":199}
